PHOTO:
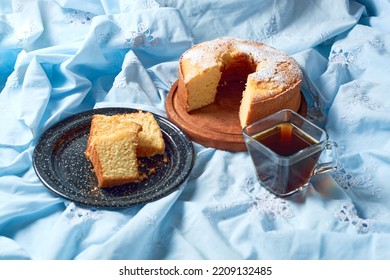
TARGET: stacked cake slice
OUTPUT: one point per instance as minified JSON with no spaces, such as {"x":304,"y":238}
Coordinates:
{"x":116,"y":142}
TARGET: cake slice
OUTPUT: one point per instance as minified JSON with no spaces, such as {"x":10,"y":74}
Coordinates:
{"x":115,"y":143}
{"x":114,"y":158}
{"x":107,"y":125}
{"x":150,"y":141}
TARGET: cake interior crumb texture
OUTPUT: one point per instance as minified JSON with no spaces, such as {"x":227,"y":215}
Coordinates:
{"x":116,"y":142}
{"x":114,"y":158}
{"x":107,"y":125}
{"x":151,"y":141}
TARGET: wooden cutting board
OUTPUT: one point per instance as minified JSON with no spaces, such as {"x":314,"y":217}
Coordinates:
{"x":217,"y":125}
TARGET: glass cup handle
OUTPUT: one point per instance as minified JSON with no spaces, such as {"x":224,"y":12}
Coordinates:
{"x":332,"y":159}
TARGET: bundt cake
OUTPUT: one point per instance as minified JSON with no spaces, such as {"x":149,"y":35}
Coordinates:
{"x":273,"y":79}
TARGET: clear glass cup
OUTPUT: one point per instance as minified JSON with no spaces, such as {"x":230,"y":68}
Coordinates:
{"x":285,"y":149}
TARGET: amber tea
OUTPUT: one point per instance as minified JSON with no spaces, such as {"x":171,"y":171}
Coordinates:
{"x":285,"y":139}
{"x":285,"y":149}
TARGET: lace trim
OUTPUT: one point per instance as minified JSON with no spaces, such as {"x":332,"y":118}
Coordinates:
{"x":363,"y":180}
{"x":348,"y":215}
{"x":263,"y":202}
{"x":359,"y":97}
{"x":77,"y":215}
{"x":342,"y":57}
{"x":141,"y":37}
{"x":339,"y":56}
{"x":378,"y":44}
{"x":76,"y":17}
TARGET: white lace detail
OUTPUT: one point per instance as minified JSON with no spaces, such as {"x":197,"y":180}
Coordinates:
{"x":362,"y":181}
{"x":359,"y":97}
{"x":77,"y":215}
{"x":377,"y":44}
{"x":324,"y":37}
{"x":351,"y":116}
{"x":266,"y":203}
{"x":76,"y":17}
{"x":141,"y":37}
{"x":339,"y":56}
{"x":348,"y":215}
{"x":104,"y":37}
{"x":271,"y":27}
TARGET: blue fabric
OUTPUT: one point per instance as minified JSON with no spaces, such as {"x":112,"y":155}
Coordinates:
{"x":58,"y":58}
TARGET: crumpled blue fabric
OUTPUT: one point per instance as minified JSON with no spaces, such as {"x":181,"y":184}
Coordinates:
{"x":61,"y":57}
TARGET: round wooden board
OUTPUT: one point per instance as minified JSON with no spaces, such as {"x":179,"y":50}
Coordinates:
{"x":217,"y":125}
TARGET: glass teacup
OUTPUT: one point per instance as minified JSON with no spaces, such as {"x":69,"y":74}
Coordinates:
{"x":285,"y":149}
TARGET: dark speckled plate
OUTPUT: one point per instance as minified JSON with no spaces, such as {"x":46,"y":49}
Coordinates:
{"x":61,"y":165}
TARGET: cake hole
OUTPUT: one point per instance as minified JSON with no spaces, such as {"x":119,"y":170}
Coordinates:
{"x":236,"y":68}
{"x":234,"y":75}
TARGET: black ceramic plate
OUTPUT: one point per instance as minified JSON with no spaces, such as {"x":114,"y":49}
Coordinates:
{"x":61,"y":165}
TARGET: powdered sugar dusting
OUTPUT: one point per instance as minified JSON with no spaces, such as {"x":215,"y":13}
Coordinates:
{"x":272,"y":65}
{"x":201,"y":56}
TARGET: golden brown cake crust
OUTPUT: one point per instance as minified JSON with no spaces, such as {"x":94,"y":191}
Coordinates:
{"x":273,"y":84}
{"x":102,"y":124}
{"x":181,"y":89}
{"x":151,"y":141}
{"x":115,"y":143}
{"x":257,"y":110}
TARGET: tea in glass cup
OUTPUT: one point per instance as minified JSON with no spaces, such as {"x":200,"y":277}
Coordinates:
{"x":285,"y":149}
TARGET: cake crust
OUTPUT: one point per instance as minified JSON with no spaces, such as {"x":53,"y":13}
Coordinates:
{"x":151,"y":141}
{"x":116,"y":142}
{"x":273,"y":79}
{"x":106,"y":125}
